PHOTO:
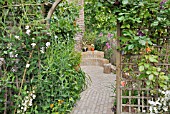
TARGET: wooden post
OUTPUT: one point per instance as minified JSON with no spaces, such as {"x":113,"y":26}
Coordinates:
{"x":118,"y":71}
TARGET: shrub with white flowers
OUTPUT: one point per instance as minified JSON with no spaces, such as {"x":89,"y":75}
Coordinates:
{"x":162,"y":104}
{"x":27,"y":102}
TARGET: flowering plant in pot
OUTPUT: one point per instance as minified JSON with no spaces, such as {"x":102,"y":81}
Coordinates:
{"x":84,"y":48}
{"x":92,"y":47}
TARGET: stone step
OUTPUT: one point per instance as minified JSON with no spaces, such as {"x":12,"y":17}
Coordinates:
{"x":92,"y":54}
{"x":94,"y":62}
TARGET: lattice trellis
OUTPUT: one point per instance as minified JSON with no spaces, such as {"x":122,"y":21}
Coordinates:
{"x":133,"y":98}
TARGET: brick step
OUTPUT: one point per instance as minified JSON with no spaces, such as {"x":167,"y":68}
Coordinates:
{"x":92,"y":54}
{"x":94,"y":62}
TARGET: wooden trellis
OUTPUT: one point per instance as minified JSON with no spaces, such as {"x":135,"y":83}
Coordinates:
{"x":45,"y":10}
{"x":135,"y":90}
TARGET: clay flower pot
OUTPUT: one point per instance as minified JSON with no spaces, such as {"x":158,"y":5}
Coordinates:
{"x":92,"y":49}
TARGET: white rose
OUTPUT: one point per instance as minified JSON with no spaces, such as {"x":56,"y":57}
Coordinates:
{"x":47,"y":44}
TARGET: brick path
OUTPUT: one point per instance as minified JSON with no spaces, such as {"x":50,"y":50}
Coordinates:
{"x":97,"y":98}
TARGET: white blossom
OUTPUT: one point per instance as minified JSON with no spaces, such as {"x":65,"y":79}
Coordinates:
{"x":48,"y":34}
{"x":11,"y":54}
{"x":28,"y":32}
{"x":9,"y":45}
{"x":17,"y":37}
{"x":33,"y":96}
{"x":165,"y":108}
{"x":47,"y":44}
{"x":151,"y":102}
{"x":27,"y":27}
{"x":18,"y":111}
{"x":42,"y":49}
{"x":27,"y":65}
{"x":30,"y":103}
{"x":144,"y":111}
{"x":55,"y":37}
{"x":25,"y":109}
{"x":33,"y":45}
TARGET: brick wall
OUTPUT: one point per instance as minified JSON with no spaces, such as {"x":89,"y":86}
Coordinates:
{"x":80,"y":22}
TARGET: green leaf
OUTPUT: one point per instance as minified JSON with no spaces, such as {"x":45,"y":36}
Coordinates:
{"x":121,"y":18}
{"x":151,"y":59}
{"x":148,"y":82}
{"x":151,"y":77}
{"x":158,"y":69}
{"x":155,"y":23}
{"x":142,"y":42}
{"x":125,"y":2}
{"x":146,"y":65}
{"x":148,"y":72}
{"x":141,"y":68}
{"x":130,"y":47}
{"x":155,"y":72}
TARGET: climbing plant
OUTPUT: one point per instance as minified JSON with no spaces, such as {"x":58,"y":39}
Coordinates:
{"x":39,"y":69}
{"x":144,"y":47}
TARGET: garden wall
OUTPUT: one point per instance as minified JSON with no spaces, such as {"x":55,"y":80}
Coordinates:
{"x":80,"y":22}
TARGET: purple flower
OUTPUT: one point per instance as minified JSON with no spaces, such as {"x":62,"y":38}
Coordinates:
{"x":101,"y":34}
{"x":140,"y":33}
{"x":109,"y":35}
{"x":108,"y":45}
{"x":162,"y":3}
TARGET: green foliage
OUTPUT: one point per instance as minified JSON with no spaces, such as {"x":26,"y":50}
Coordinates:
{"x":62,"y":84}
{"x":144,"y":25}
{"x":99,"y":15}
{"x":89,"y":37}
{"x":37,"y":63}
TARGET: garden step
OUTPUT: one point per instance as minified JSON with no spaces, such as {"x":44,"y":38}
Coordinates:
{"x":94,"y":62}
{"x":92,"y":54}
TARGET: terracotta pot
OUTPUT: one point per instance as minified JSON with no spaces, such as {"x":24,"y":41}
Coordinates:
{"x":92,"y":49}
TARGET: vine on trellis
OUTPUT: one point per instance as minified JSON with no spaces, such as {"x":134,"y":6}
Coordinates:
{"x":144,"y":46}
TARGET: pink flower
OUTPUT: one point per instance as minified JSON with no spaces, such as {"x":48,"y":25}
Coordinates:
{"x":108,"y":45}
{"x":101,"y":34}
{"x":109,"y":35}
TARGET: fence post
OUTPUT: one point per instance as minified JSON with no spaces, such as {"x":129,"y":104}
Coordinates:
{"x":118,"y":71}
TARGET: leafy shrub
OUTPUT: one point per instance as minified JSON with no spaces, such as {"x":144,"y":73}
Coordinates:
{"x":37,"y":64}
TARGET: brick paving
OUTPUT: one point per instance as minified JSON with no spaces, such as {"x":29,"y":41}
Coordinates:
{"x":98,"y":97}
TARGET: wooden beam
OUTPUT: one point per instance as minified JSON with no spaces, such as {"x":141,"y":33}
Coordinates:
{"x":51,"y":11}
{"x":118,"y":71}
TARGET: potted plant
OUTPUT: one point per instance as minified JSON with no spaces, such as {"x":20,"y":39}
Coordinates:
{"x":92,"y":47}
{"x":89,"y":38}
{"x":84,"y":48}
